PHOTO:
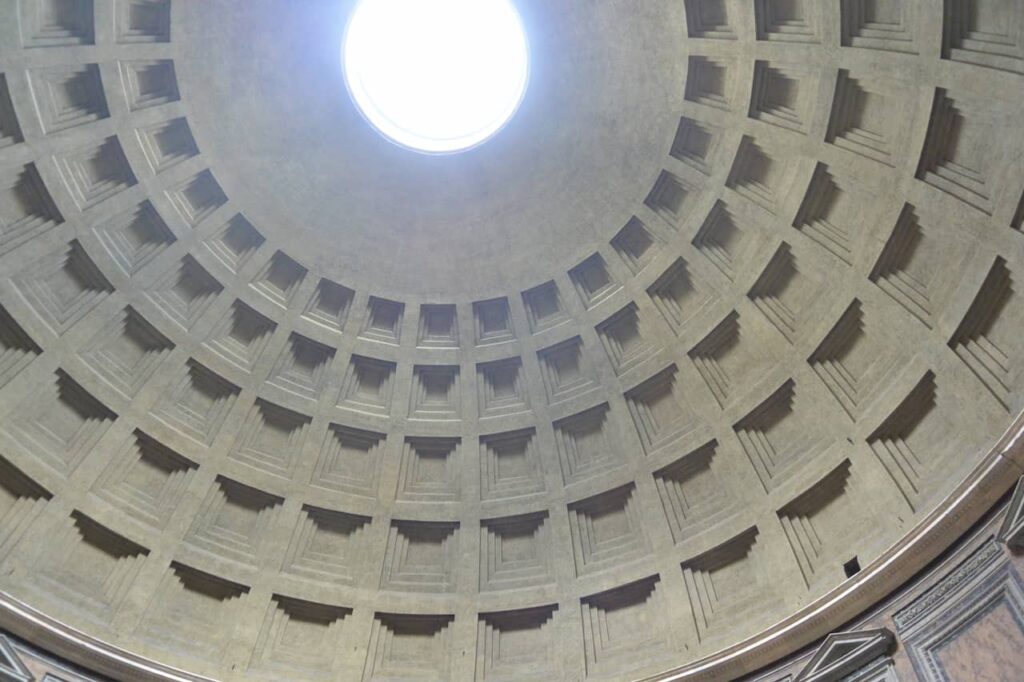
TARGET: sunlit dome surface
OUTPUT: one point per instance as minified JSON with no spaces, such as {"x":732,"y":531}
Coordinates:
{"x":437,"y":76}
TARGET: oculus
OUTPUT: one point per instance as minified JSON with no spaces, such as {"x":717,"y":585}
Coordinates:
{"x":436,"y":76}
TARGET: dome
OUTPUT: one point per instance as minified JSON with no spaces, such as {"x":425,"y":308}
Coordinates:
{"x":709,"y":347}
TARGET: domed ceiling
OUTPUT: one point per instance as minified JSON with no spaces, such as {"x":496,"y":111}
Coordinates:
{"x":709,"y":349}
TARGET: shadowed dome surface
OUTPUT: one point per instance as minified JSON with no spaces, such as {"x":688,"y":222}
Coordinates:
{"x":730,"y":307}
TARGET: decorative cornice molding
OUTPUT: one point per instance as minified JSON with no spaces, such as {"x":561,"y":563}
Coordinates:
{"x":996,"y":586}
{"x":1011,"y":533}
{"x":11,"y":667}
{"x":971,"y":568}
{"x":843,"y":653}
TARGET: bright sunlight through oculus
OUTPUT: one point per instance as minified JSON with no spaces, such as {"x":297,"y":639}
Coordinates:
{"x":436,"y":75}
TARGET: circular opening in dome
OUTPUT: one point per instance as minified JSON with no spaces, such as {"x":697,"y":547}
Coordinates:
{"x":437,"y":76}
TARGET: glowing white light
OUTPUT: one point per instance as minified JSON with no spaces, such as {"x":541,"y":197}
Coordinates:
{"x":436,"y":75}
